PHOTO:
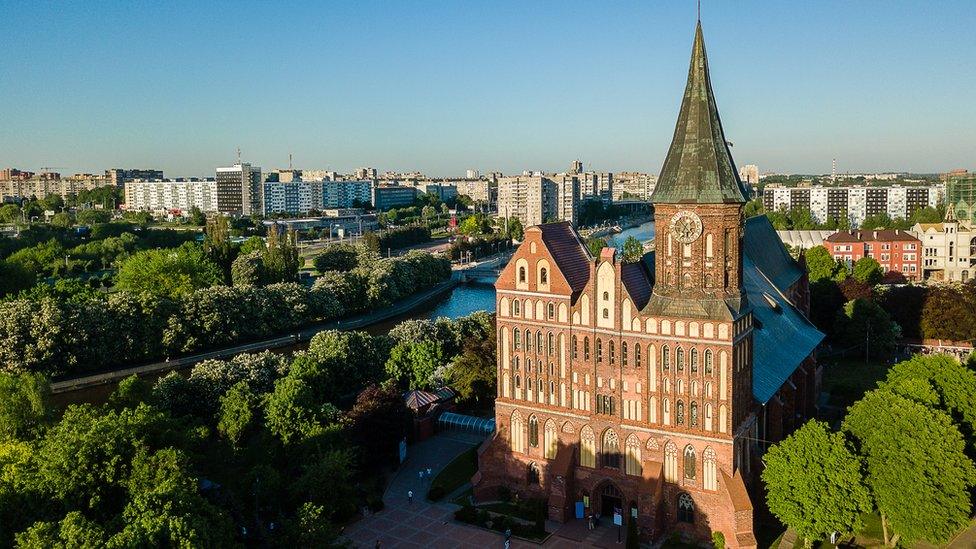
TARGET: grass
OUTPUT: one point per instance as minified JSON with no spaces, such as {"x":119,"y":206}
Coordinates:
{"x":847,"y":379}
{"x":455,"y":474}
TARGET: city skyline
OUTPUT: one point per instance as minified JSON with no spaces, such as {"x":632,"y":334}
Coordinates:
{"x":441,"y":88}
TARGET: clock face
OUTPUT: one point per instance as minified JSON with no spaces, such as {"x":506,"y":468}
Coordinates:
{"x":686,"y":227}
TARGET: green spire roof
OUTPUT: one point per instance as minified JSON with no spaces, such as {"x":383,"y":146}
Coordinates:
{"x":699,"y":166}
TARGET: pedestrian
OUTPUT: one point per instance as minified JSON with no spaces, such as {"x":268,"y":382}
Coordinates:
{"x":410,"y":496}
{"x":378,"y":544}
{"x":420,"y":476}
{"x":428,"y":472}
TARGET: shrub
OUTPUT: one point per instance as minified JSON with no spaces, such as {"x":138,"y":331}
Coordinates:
{"x":436,"y":493}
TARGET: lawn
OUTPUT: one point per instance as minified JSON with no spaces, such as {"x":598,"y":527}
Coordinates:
{"x":454,"y":475}
{"x":847,"y":379}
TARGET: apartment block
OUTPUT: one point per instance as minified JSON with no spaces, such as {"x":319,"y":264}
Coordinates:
{"x":240,"y":190}
{"x":171,"y":195}
{"x":855,"y":202}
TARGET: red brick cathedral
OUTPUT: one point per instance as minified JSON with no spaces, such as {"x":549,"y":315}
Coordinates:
{"x":653,"y":387}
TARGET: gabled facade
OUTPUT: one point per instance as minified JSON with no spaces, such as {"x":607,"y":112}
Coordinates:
{"x":644,"y":387}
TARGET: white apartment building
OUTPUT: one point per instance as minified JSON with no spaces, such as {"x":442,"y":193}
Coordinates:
{"x":539,"y":199}
{"x":171,"y":195}
{"x":855,"y":202}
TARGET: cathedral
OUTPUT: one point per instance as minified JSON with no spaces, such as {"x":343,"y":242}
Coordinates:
{"x":650,"y":389}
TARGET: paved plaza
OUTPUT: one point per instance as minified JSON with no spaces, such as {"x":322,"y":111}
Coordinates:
{"x":422,"y":524}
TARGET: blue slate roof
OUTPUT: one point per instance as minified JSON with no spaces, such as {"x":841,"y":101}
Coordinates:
{"x":765,"y":248}
{"x":782,"y":336}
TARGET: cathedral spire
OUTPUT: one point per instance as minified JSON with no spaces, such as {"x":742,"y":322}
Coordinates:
{"x":699,"y":166}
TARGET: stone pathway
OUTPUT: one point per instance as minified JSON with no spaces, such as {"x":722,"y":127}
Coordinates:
{"x":422,"y":524}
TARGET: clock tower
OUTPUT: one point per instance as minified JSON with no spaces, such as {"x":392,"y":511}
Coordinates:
{"x":698,"y":205}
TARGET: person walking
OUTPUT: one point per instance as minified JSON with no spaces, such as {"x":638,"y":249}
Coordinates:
{"x":410,"y":497}
{"x":420,"y":476}
{"x":428,"y":473}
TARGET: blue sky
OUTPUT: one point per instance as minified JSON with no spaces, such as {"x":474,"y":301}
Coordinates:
{"x":445,"y":86}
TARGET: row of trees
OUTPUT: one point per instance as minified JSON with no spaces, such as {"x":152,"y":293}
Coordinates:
{"x":169,"y":311}
{"x":401,"y":237}
{"x":905,"y":450}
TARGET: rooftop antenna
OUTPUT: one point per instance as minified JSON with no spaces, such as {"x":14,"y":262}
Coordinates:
{"x":289,"y":161}
{"x":238,"y":155}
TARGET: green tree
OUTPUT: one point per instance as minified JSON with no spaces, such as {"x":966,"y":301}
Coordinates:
{"x":415,"y":364}
{"x":62,"y":220}
{"x":473,"y":374}
{"x":378,"y":423}
{"x":938,"y":381}
{"x":281,"y":259}
{"x":868,"y":271}
{"x":217,"y":244}
{"x":24,"y":408}
{"x":75,"y":531}
{"x":131,"y":392}
{"x":10,"y":213}
{"x":820,"y":264}
{"x":253,"y":244}
{"x":917,"y":470}
{"x":877,"y":221}
{"x":338,"y":257}
{"x":93,"y":217}
{"x":515,"y":229}
{"x":814,"y":483}
{"x":753,"y":208}
{"x":864,"y":322}
{"x":197,"y":217}
{"x":238,"y":410}
{"x":293,"y":413}
{"x":248,"y":270}
{"x":633,"y":250}
{"x":14,"y":278}
{"x":633,"y":539}
{"x":595,"y":245}
{"x":172,"y":273}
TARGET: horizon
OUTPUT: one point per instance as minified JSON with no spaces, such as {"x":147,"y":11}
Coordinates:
{"x":442,"y":88}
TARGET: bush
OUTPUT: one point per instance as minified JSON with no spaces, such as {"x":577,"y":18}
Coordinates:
{"x":466,"y":513}
{"x":504,"y":494}
{"x":337,"y":257}
{"x":436,"y":493}
{"x":718,"y":540}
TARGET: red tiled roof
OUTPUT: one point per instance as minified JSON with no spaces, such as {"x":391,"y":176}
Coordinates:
{"x":882,"y":235}
{"x":568,"y":251}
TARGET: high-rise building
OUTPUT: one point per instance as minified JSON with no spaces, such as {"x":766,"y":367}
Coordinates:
{"x":366,"y":173}
{"x":171,"y":195}
{"x":653,"y":396}
{"x":576,"y":167}
{"x":471,"y":174}
{"x":633,"y":186}
{"x":119,"y":176}
{"x":240,"y":190}
{"x":539,"y":199}
{"x":13,"y":174}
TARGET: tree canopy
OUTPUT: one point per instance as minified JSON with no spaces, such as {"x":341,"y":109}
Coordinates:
{"x":172,"y":273}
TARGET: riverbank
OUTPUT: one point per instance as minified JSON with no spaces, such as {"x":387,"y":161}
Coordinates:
{"x":158,"y":369}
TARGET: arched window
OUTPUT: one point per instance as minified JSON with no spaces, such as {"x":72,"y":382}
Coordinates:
{"x":528,"y":341}
{"x":586,"y":348}
{"x":587,"y":447}
{"x":708,"y":417}
{"x":606,"y":313}
{"x":516,"y":360}
{"x":599,"y":350}
{"x":533,"y":431}
{"x":633,"y":462}
{"x":606,"y":296}
{"x":686,"y":508}
{"x":575,"y":348}
{"x":694,"y":361}
{"x":538,"y":342}
{"x":623,"y":353}
{"x":518,"y":432}
{"x":528,"y":380}
{"x":516,"y":307}
{"x":552,"y":307}
{"x":522,"y":275}
{"x":550,"y":344}
{"x":689,"y":459}
{"x":613,"y":355}
{"x":709,"y":476}
{"x":550,"y":440}
{"x":694,"y":414}
{"x":679,"y":360}
{"x":611,"y":449}
{"x":637,"y":356}
{"x":544,"y":276}
{"x":708,"y":362}
{"x":518,"y":382}
{"x":517,"y":340}
{"x":670,"y":462}
{"x":679,"y":409}
{"x":533,"y":474}
{"x":665,"y":358}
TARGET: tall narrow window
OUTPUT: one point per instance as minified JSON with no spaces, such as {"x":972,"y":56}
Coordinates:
{"x":694,"y":361}
{"x":599,"y":350}
{"x":679,"y":360}
{"x":538,"y":342}
{"x":543,"y":276}
{"x":611,"y":449}
{"x":689,"y":458}
{"x":517,"y":339}
{"x":613,"y":357}
{"x":686,"y":508}
{"x":533,"y":431}
{"x":679,"y":409}
{"x":623,"y":353}
{"x":522,"y":274}
{"x":694,"y":414}
{"x":708,"y":362}
{"x":516,"y":307}
{"x":665,"y":358}
{"x":575,"y":348}
{"x":586,"y":348}
{"x":551,"y":344}
{"x":528,"y":341}
{"x":637,"y":356}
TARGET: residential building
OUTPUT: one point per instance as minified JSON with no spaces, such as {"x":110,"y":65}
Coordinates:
{"x":899,"y":252}
{"x":346,"y":194}
{"x":472,"y":174}
{"x":37,"y":188}
{"x":119,"y":176}
{"x":319,"y":175}
{"x":633,"y":186}
{"x":567,"y":197}
{"x":388,"y":196}
{"x":13,"y":174}
{"x":948,"y":248}
{"x":366,"y":173}
{"x":854,"y":202}
{"x":479,"y":190}
{"x":538,"y":199}
{"x":240,"y":190}
{"x":292,"y":197}
{"x":171,"y":196}
{"x":443,"y":191}
{"x":596,"y":184}
{"x":749,"y":174}
{"x":651,"y":389}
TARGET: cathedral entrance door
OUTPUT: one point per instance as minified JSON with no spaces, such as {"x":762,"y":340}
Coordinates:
{"x":610,"y":499}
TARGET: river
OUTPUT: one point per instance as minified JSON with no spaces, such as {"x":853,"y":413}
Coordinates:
{"x":643,"y":232}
